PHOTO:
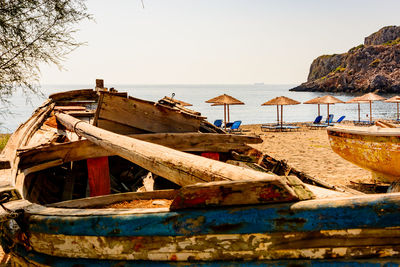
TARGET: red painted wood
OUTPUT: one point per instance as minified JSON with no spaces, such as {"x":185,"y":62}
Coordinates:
{"x":210,"y":155}
{"x":99,"y":176}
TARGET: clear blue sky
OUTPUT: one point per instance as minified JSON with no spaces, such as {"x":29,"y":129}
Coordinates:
{"x":216,"y":41}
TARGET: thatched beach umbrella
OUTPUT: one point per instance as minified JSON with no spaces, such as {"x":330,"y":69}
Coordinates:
{"x":355,"y":100}
{"x":328,"y":100}
{"x":280,"y":101}
{"x":370,"y":97}
{"x":395,"y":99}
{"x":225,"y":100}
{"x":314,"y":101}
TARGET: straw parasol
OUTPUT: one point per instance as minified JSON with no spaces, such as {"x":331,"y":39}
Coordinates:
{"x":370,"y":97}
{"x":355,"y":100}
{"x":395,"y":99}
{"x":328,"y":100}
{"x":225,"y":100}
{"x":314,"y":101}
{"x":280,"y":101}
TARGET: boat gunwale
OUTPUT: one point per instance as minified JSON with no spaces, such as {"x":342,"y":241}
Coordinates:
{"x":366,"y":131}
{"x":312,"y":204}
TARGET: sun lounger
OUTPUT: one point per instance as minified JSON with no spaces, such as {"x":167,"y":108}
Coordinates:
{"x":317,"y":119}
{"x":329,"y":119}
{"x":235,"y":126}
{"x":340,"y":119}
{"x":328,"y":122}
{"x":218,"y":123}
{"x":278,"y":128}
{"x":229,"y":124}
{"x":319,"y":126}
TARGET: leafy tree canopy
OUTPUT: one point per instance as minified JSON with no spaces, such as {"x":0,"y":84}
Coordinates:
{"x":34,"y":32}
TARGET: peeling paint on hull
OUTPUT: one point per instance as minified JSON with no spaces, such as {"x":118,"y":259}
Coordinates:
{"x":268,"y":246}
{"x":378,"y":154}
{"x":23,"y":259}
{"x":350,"y":229}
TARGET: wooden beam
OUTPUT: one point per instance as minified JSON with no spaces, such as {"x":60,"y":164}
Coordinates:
{"x":176,"y":166}
{"x":84,"y":149}
{"x":145,"y":115}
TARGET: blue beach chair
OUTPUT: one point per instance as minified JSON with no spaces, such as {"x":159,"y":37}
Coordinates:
{"x":340,"y":119}
{"x":329,"y":119}
{"x":317,"y":119}
{"x":316,"y":123}
{"x":218,"y":123}
{"x":235,"y":126}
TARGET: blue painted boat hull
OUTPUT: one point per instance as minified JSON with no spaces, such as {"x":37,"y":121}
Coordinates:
{"x":349,"y":231}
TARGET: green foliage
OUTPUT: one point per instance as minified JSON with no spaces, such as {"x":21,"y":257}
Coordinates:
{"x":327,"y":56}
{"x":35,"y":32}
{"x":339,"y":69}
{"x":356,"y":48}
{"x":393,"y":42}
{"x":3,"y":140}
{"x":375,"y":62}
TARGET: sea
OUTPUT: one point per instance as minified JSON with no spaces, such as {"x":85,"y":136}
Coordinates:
{"x":21,"y":106}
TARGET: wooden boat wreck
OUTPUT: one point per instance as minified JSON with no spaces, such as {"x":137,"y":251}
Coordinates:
{"x":375,"y":148}
{"x":125,"y":182}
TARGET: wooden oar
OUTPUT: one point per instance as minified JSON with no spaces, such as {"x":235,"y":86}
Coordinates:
{"x":179,"y":167}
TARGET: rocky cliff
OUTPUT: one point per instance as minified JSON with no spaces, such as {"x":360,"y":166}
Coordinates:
{"x":371,"y":67}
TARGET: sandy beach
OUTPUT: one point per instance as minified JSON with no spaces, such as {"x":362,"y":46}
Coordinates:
{"x":309,"y":151}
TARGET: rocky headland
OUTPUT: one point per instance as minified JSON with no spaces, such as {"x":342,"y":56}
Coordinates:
{"x":370,"y":67}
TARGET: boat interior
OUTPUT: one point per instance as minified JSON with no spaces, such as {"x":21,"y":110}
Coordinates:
{"x":56,"y":167}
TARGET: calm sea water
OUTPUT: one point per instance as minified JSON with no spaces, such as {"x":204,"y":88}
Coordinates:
{"x":252,"y":95}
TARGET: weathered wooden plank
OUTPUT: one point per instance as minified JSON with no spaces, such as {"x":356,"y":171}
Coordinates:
{"x":351,"y":243}
{"x":81,"y":94}
{"x":68,"y":108}
{"x":85,"y":149}
{"x":238,"y":193}
{"x":75,"y":103}
{"x":22,"y":136}
{"x":145,"y":115}
{"x":176,"y":166}
{"x":86,"y":113}
{"x":116,"y":127}
{"x":101,"y":201}
{"x":43,"y":166}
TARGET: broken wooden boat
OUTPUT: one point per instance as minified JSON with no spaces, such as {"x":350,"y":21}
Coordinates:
{"x":131,"y":182}
{"x":374,"y":148}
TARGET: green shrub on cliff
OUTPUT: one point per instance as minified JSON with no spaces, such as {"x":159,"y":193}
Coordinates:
{"x":392,"y":42}
{"x":339,"y":69}
{"x":374,"y":63}
{"x":356,"y":48}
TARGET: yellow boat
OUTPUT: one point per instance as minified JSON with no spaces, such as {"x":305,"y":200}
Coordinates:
{"x":373,"y":148}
